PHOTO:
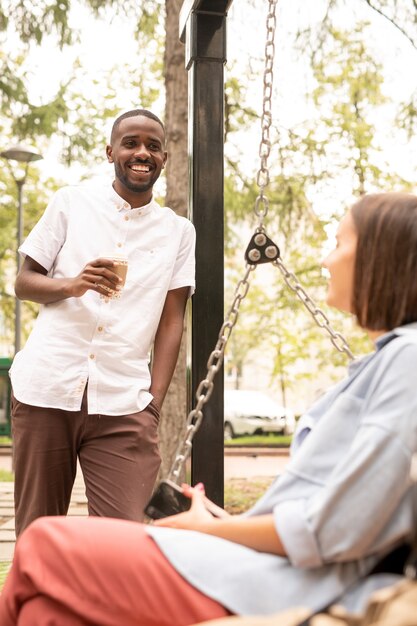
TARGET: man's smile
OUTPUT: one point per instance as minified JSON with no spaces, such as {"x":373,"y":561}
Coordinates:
{"x":142,"y":168}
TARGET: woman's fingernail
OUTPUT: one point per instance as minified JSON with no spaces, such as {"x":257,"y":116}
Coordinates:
{"x":199,"y":486}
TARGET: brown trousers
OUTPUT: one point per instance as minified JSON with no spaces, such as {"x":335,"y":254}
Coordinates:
{"x":119,"y":459}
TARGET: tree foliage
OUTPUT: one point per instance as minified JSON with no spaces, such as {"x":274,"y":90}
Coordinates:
{"x":340,"y":139}
{"x":402,"y":14}
{"x":71,"y":114}
{"x":348,"y":93}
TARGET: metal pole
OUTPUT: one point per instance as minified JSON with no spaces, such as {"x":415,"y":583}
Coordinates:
{"x":24,"y":155}
{"x":203,"y":28}
{"x":19,"y":233}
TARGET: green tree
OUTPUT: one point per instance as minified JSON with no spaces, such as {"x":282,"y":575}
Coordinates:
{"x":348,"y":93}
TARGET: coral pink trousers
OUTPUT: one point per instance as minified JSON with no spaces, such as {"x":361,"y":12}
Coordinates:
{"x":97,"y":571}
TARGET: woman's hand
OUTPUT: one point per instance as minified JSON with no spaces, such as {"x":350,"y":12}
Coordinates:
{"x":258,"y":532}
{"x":196,"y":518}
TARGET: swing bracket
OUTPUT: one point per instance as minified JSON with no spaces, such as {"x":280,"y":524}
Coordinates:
{"x":261,"y":249}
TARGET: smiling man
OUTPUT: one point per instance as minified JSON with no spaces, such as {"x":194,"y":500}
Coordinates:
{"x":138,"y":154}
{"x":82,"y":386}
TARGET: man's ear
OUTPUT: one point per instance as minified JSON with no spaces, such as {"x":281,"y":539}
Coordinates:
{"x":165,"y":159}
{"x":109,"y":154}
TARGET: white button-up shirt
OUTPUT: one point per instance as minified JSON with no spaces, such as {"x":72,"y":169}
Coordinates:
{"x":104,"y":341}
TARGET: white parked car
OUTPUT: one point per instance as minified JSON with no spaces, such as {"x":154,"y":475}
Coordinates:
{"x":253,"y":412}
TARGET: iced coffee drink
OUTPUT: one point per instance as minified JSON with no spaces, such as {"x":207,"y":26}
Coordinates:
{"x":119,"y":268}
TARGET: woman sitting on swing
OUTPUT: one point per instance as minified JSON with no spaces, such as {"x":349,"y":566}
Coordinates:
{"x":343,"y":502}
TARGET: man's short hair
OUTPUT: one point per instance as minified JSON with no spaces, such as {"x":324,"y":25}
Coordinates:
{"x":134,"y":113}
{"x":385,"y":275}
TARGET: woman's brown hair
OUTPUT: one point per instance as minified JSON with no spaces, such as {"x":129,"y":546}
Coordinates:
{"x":385,"y":278}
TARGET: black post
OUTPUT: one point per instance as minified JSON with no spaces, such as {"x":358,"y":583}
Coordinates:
{"x":203,"y":28}
{"x":19,"y":234}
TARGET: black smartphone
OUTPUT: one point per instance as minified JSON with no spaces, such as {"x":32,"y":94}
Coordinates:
{"x":168,"y":499}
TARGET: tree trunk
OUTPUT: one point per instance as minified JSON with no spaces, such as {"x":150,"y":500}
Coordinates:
{"x":174,"y":410}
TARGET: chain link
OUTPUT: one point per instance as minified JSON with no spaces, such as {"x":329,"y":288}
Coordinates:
{"x":262,"y":179}
{"x":205,"y":387}
{"x":262,"y":203}
{"x":318,"y":315}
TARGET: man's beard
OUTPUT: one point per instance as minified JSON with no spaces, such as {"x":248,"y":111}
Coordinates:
{"x":136,"y":188}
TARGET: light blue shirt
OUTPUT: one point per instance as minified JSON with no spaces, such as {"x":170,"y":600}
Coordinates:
{"x":343,"y":501}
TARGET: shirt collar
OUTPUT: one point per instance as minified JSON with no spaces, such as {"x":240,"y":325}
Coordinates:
{"x":407,"y":329}
{"x":380,"y":343}
{"x":121,"y":204}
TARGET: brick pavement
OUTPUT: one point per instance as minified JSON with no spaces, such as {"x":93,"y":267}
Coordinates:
{"x":78,"y":506}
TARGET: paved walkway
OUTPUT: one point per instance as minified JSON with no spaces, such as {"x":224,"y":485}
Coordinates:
{"x":78,"y":506}
{"x":238,"y":464}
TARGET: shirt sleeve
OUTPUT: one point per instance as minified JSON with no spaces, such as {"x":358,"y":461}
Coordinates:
{"x":48,"y":236}
{"x":364,"y":505}
{"x":184,"y":269}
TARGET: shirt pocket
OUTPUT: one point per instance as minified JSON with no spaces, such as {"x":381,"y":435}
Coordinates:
{"x":149,"y":269}
{"x":328,"y":443}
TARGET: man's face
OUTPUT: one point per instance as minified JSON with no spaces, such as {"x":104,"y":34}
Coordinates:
{"x":138,"y":154}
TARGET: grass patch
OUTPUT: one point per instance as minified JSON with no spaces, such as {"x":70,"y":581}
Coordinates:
{"x":242,"y":493}
{"x":5,"y":441}
{"x":6,"y":476}
{"x":270,"y":440}
{"x":4,"y":568}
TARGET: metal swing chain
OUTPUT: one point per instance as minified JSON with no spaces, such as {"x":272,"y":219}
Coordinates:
{"x":205,"y":387}
{"x":262,"y":203}
{"x":262,"y":179}
{"x":317,"y":314}
{"x":215,"y":360}
{"x":261,"y":207}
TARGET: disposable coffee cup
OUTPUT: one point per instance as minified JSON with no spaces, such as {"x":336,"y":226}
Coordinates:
{"x":120,"y":268}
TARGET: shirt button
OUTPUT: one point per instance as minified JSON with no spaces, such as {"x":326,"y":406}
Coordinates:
{"x":126,"y":218}
{"x":119,"y":245}
{"x":126,"y":205}
{"x":92,"y":356}
{"x":100,"y":328}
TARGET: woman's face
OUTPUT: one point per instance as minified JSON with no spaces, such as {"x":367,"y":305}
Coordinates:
{"x":340,"y":264}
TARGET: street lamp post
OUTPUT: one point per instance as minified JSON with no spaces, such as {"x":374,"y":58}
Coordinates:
{"x":24,"y":155}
